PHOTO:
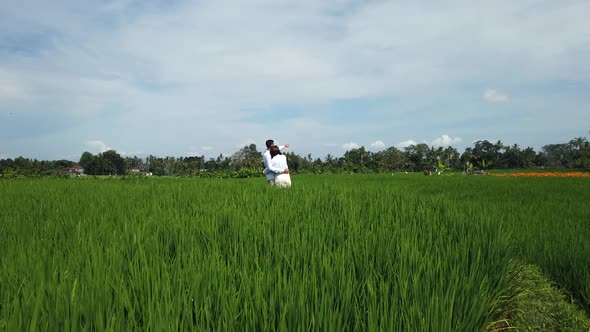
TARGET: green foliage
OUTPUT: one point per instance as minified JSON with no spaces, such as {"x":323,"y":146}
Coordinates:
{"x":247,"y":157}
{"x":441,"y":166}
{"x":9,"y":173}
{"x":87,"y":163}
{"x":106,"y":163}
{"x":372,"y":252}
{"x":539,"y":305}
{"x":416,"y":158}
{"x":484,"y":165}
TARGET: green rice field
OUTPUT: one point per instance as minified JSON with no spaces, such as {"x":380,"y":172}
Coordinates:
{"x":401,"y":252}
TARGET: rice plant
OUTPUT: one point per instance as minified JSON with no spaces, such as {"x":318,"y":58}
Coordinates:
{"x":397,"y":253}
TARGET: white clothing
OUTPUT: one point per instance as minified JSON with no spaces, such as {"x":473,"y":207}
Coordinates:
{"x":277,"y":165}
{"x":283,"y":180}
{"x":270,"y":176}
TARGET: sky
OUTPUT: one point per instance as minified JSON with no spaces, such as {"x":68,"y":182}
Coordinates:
{"x":190,"y":78}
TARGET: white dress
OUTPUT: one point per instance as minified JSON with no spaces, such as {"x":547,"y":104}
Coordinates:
{"x":278,"y":164}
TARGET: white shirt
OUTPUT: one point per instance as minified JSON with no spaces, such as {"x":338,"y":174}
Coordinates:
{"x":278,"y":164}
{"x":266,"y":159}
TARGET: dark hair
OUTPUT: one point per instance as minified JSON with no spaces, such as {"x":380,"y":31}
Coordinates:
{"x":274,"y":150}
{"x":269,"y":143}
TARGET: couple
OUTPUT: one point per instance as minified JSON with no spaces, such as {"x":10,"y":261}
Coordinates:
{"x":275,"y":163}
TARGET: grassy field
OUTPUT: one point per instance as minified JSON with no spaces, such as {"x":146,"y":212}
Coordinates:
{"x":399,"y":252}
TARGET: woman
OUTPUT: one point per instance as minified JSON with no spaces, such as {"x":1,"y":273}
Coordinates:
{"x":278,"y":165}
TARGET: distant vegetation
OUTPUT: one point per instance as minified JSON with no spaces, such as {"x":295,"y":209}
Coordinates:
{"x":246,"y":162}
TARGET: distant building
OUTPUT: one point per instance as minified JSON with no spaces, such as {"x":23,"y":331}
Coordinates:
{"x":75,"y":170}
{"x":135,"y":170}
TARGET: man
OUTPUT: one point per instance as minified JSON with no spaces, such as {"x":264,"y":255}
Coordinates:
{"x":270,"y":176}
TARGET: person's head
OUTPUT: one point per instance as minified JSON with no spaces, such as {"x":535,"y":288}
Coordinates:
{"x":274,"y":150}
{"x":269,"y":143}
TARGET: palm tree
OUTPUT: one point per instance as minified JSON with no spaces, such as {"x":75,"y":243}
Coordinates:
{"x":579,"y":143}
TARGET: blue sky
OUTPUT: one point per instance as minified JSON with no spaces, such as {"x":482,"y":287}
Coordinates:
{"x":183,"y":78}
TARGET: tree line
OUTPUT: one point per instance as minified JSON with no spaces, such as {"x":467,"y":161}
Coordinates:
{"x":247,"y":162}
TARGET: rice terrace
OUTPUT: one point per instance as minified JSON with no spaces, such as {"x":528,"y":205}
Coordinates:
{"x":391,"y":252}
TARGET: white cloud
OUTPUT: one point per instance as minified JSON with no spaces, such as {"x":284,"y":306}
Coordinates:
{"x":484,"y":139}
{"x":446,"y":140}
{"x":378,"y":145}
{"x":128,"y":154}
{"x":493,"y":96}
{"x":102,"y":147}
{"x":247,"y":142}
{"x":202,"y":151}
{"x":11,"y":87}
{"x":8,"y":91}
{"x":350,"y":146}
{"x":110,"y":65}
{"x":405,"y":144}
{"x":3,"y":156}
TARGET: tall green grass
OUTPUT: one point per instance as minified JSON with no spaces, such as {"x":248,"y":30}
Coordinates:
{"x":333,"y":252}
